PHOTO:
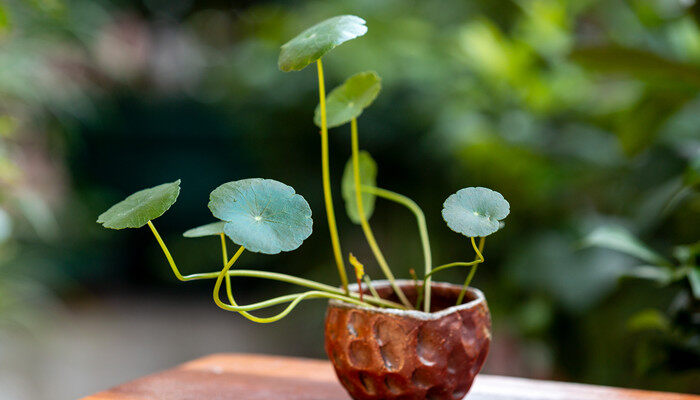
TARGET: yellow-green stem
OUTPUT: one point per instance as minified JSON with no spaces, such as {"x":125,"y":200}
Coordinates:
{"x":224,"y":254}
{"x":263,"y":320}
{"x":479,"y":259}
{"x":472,"y":271}
{"x":265,"y":275}
{"x":422,"y":228}
{"x":372,"y":290}
{"x":325,"y":170}
{"x":369,"y":235}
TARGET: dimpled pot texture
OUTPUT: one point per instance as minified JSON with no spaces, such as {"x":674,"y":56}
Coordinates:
{"x":396,"y":354}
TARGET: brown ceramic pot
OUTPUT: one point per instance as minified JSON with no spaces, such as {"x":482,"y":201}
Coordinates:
{"x":382,"y":353}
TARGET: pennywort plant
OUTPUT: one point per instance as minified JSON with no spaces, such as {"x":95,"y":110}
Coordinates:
{"x":266,"y":216}
{"x":306,"y":48}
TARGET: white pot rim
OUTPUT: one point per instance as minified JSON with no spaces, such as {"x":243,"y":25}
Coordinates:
{"x":415,"y":314}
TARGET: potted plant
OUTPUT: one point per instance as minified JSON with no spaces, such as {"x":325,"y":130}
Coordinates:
{"x":409,"y":339}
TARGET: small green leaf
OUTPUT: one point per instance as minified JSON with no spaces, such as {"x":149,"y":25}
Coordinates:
{"x":316,"y":41}
{"x":348,"y":100}
{"x":213,"y":229}
{"x":686,"y":253}
{"x":620,"y":239}
{"x":475,"y":211}
{"x":647,"y":320}
{"x":4,"y":21}
{"x":368,"y":177}
{"x":263,"y":215}
{"x":139,"y":208}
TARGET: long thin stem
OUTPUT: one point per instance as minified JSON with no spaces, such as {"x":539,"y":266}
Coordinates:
{"x":472,"y":271}
{"x":372,"y":290}
{"x":422,"y":228}
{"x":327,"y":194}
{"x":224,"y":253}
{"x":264,"y":275}
{"x":479,"y":259}
{"x":369,"y":235}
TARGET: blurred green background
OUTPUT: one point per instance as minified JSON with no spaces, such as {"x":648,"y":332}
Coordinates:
{"x":584,"y":114}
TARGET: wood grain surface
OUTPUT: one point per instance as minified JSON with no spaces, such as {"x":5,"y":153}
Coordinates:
{"x":258,"y":377}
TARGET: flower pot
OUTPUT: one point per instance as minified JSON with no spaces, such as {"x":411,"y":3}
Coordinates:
{"x":396,"y":354}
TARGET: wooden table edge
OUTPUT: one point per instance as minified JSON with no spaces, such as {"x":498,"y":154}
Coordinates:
{"x":313,"y":371}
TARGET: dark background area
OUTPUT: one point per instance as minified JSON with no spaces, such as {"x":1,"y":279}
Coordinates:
{"x":583,"y":114}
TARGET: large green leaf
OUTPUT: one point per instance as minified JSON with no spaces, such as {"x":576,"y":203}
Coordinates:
{"x":316,"y":41}
{"x":139,"y":208}
{"x":213,"y":229}
{"x":263,"y":215}
{"x":349,"y":99}
{"x":368,"y":177}
{"x":620,"y":239}
{"x":475,"y":211}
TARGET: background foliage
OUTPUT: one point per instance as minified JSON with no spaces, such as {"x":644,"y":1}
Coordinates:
{"x":584,"y":114}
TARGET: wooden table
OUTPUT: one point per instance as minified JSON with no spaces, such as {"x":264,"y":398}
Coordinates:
{"x":257,"y":377}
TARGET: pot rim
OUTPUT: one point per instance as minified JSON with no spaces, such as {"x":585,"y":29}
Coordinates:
{"x":416,"y":314}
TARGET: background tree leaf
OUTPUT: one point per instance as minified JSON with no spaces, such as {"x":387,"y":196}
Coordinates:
{"x":694,"y":279}
{"x":475,"y":211}
{"x":578,"y":280}
{"x":640,"y":64}
{"x":686,"y":254}
{"x":348,"y":100}
{"x":620,"y":239}
{"x":316,"y":41}
{"x":139,"y":208}
{"x":659,"y":274}
{"x":264,"y":215}
{"x":215,"y":228}
{"x":368,"y":177}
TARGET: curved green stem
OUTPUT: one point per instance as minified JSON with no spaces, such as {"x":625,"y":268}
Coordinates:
{"x":468,"y":281}
{"x":422,"y":228}
{"x":264,"y":275}
{"x":267,"y":303}
{"x":369,"y":235}
{"x":327,"y":194}
{"x":296,"y":299}
{"x":276,"y":276}
{"x":479,"y":259}
{"x":224,"y":253}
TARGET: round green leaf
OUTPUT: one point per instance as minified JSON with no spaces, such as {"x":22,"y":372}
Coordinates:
{"x":213,"y":229}
{"x":139,"y":208}
{"x":475,"y":211}
{"x":263,"y":215}
{"x":349,"y":99}
{"x":368,"y":177}
{"x":316,"y":41}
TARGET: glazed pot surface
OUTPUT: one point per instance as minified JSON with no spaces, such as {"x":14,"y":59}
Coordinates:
{"x":396,"y":354}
